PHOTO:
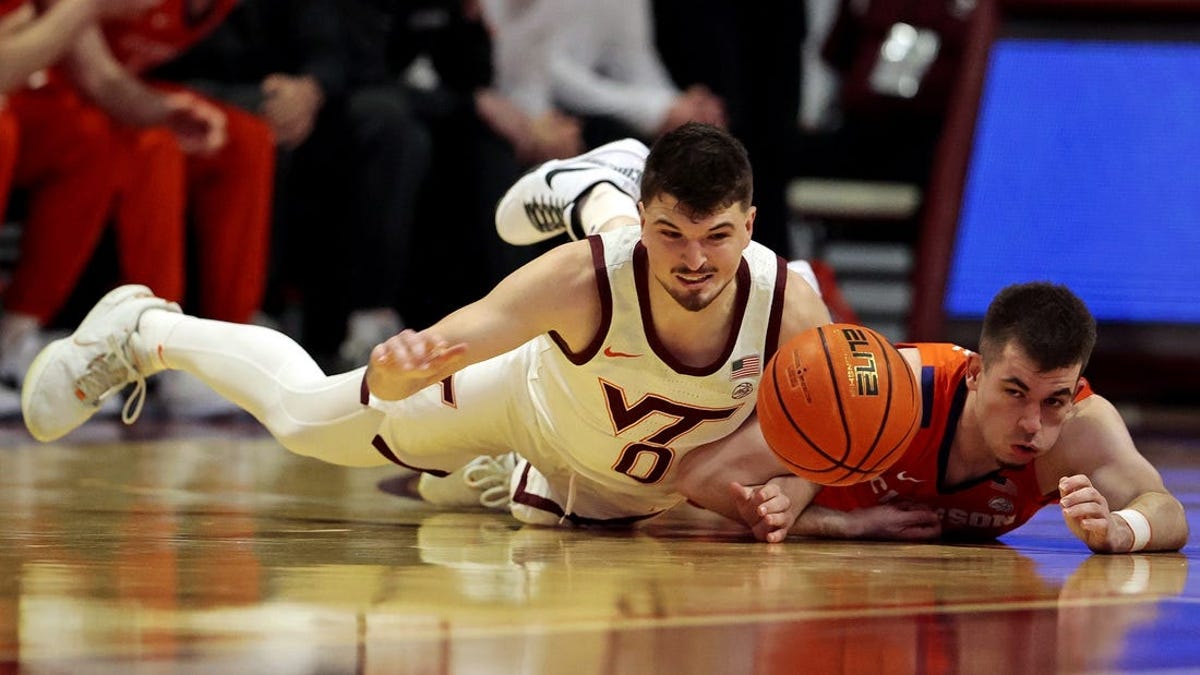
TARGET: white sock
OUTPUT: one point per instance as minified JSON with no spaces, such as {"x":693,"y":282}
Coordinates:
{"x":605,"y":208}
{"x":273,"y":378}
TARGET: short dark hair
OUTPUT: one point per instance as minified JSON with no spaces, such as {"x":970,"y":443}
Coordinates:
{"x":702,"y":166}
{"x":1047,"y":321}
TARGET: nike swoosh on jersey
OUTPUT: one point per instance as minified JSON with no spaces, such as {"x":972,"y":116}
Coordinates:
{"x":903,"y":475}
{"x":610,"y":353}
{"x":554,"y":172}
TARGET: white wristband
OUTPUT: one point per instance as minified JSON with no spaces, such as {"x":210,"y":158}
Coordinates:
{"x":1140,"y":526}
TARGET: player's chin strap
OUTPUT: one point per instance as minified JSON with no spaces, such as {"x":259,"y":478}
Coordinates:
{"x":570,"y":505}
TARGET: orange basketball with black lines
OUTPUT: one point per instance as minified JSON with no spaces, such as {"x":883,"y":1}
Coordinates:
{"x":838,"y":404}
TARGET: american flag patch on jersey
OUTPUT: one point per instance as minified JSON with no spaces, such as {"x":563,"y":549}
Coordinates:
{"x":747,"y":366}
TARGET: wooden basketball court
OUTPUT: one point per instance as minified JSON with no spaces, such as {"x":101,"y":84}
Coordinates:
{"x":197,"y":549}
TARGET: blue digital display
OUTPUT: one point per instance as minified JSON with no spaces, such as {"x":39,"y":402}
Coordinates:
{"x":1085,"y":170}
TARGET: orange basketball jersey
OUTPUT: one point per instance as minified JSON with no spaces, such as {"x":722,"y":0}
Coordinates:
{"x":982,"y":509}
{"x":159,"y":35}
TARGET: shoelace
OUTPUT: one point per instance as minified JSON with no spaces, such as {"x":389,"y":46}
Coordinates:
{"x":490,"y":477}
{"x":110,"y":372}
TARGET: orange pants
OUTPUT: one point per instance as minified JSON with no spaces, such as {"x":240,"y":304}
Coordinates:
{"x":60,"y":149}
{"x":8,"y":153}
{"x":226,"y":198}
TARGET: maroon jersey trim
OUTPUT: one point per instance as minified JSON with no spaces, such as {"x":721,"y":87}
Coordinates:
{"x":606,"y":309}
{"x":775,"y":322}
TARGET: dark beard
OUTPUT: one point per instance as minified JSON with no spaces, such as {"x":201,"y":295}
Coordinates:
{"x":692,"y":303}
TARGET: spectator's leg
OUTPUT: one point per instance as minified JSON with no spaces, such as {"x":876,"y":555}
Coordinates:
{"x":229,"y":196}
{"x":66,"y":161}
{"x":149,"y":216}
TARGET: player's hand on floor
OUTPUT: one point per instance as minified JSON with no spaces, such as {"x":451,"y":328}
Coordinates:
{"x":896,"y":522}
{"x":409,"y":361}
{"x":765,"y":509}
{"x":1087,"y":515}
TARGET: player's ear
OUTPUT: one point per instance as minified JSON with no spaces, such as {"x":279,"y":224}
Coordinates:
{"x":751,"y":214}
{"x":642,"y":212}
{"x":974,"y":370}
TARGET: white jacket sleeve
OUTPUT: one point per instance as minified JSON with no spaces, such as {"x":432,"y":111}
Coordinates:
{"x":604,"y":62}
{"x":522,"y":32}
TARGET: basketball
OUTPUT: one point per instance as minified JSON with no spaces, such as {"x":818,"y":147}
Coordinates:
{"x":838,"y":404}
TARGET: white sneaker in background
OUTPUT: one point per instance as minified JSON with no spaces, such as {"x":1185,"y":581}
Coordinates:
{"x":19,"y":346}
{"x":10,"y":403}
{"x":366,"y":328}
{"x":541,"y":204}
{"x":484,"y":481}
{"x":182,"y":396}
{"x":18,"y":351}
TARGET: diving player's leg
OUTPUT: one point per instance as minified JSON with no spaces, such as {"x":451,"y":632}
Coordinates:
{"x":131,"y":335}
{"x":554,"y":197}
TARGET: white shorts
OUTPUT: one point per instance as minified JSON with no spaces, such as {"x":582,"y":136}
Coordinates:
{"x":489,"y":411}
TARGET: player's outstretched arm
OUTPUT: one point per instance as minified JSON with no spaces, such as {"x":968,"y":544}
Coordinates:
{"x":1111,"y":497}
{"x":783,"y":507}
{"x":885,"y":522}
{"x":556,"y":291}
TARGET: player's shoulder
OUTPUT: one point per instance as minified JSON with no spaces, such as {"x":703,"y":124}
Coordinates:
{"x":1091,"y":419}
{"x":566,"y":268}
{"x":1094,"y":433}
{"x":803,"y":307}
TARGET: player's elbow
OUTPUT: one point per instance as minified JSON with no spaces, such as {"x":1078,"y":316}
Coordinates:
{"x":694,"y":473}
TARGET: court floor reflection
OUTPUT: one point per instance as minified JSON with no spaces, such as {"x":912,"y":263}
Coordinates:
{"x":223,"y":553}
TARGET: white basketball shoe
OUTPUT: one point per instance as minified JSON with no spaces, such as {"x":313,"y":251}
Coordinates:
{"x":71,"y":377}
{"x":540,"y":205}
{"x":484,"y":481}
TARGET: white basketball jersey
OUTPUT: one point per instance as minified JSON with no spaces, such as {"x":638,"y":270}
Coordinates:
{"x":623,"y":411}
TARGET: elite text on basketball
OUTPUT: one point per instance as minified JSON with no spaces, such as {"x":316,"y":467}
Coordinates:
{"x":864,"y":374}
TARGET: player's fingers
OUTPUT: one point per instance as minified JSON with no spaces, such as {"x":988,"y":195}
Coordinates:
{"x":1088,"y":496}
{"x":406,"y":351}
{"x":1069,"y":484}
{"x":739,"y":491}
{"x":775,"y":520}
{"x":1086,"y":510}
{"x":776,"y":504}
{"x":770,"y":529}
{"x":769,"y":491}
{"x":775,"y":536}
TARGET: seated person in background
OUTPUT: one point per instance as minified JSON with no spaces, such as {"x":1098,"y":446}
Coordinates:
{"x":483,"y":139}
{"x":58,"y":150}
{"x":597,"y":61}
